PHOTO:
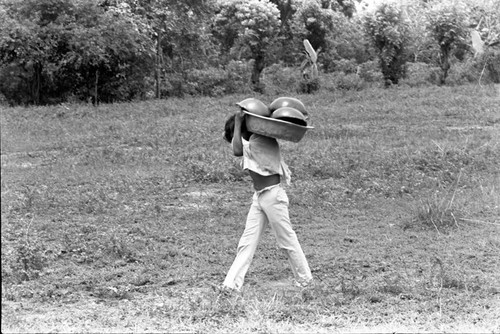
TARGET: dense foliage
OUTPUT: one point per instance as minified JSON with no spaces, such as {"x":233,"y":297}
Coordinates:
{"x":249,"y":27}
{"x":388,"y":33}
{"x":447,"y":24}
{"x":54,"y":51}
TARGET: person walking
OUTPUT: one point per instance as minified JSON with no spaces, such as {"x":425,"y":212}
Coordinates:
{"x":262,"y":159}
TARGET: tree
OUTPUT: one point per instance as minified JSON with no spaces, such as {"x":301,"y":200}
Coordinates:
{"x":63,"y":47}
{"x":447,"y":23}
{"x":248,"y":28}
{"x":388,"y":33}
{"x":420,"y":45}
{"x":345,"y":7}
{"x":178,"y":30}
{"x":329,"y":29}
{"x":296,"y":14}
{"x":25,"y":53}
{"x":313,"y":22}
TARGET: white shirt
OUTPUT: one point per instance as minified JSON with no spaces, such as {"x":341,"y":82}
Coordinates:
{"x":262,"y":155}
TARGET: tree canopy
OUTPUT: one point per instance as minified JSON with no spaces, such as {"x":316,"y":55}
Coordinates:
{"x":53,"y":51}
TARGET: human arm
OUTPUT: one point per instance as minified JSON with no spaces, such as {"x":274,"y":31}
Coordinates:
{"x":237,"y":142}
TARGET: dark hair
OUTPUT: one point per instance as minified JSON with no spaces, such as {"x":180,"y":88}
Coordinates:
{"x":229,"y":129}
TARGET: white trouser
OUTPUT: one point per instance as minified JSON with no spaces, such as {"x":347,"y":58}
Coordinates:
{"x":269,"y":205}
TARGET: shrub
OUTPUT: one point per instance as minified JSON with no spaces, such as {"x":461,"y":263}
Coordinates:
{"x":280,"y":79}
{"x":488,"y":65}
{"x":238,"y":76}
{"x":370,"y":71}
{"x":421,"y":74}
{"x":493,"y":65}
{"x":342,"y":81}
{"x":14,"y":85}
{"x":211,"y":81}
{"x":308,"y":86}
{"x":484,"y":69}
{"x":173,"y":85}
{"x":463,"y":72}
{"x":207,"y":82}
{"x":349,"y":82}
{"x":345,"y":65}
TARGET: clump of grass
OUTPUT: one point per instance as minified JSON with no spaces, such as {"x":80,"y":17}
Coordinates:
{"x":438,"y":213}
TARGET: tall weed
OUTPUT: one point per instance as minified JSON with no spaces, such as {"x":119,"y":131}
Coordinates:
{"x":437,"y":212}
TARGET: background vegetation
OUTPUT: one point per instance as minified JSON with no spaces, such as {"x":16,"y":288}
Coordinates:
{"x":55,"y":51}
{"x":123,"y":217}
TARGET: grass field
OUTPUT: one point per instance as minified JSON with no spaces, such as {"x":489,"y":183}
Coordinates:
{"x":123,"y":218}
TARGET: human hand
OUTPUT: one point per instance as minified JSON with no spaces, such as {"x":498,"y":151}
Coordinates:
{"x":240,"y":114}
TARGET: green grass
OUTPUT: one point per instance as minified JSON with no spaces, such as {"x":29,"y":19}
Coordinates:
{"x":122,"y":218}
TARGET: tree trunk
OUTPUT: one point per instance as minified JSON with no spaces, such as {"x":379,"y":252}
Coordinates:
{"x":35,"y":86}
{"x":158,"y":66}
{"x":258,"y":66}
{"x":95,"y":87}
{"x":445,"y":64}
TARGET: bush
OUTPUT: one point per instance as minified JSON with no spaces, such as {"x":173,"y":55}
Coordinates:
{"x":211,"y":81}
{"x":342,"y":81}
{"x":490,"y":63}
{"x":309,"y":86}
{"x":349,"y":82}
{"x":421,"y":74}
{"x":463,"y":73}
{"x":278,"y":79}
{"x":345,"y":65}
{"x":173,"y":86}
{"x":370,"y":71}
{"x":238,"y":74}
{"x":14,"y":85}
{"x":493,"y":65}
{"x":207,"y":82}
{"x":484,"y":69}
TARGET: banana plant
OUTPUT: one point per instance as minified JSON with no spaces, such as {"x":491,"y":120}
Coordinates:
{"x":477,"y":42}
{"x":310,"y":61}
{"x":483,"y":45}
